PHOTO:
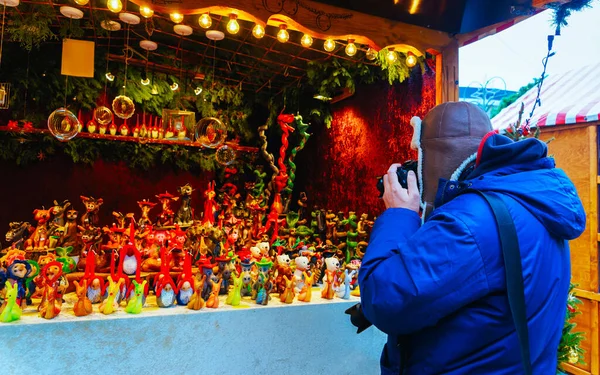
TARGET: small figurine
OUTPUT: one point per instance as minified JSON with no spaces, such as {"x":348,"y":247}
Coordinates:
{"x":282,"y":269}
{"x":135,"y":304}
{"x":83,"y":306}
{"x":59,"y":210}
{"x":154,"y":132}
{"x":109,"y":305}
{"x":17,"y":273}
{"x":333,"y":264}
{"x":264,"y":249}
{"x":213,"y":299}
{"x":343,"y":291}
{"x":196,"y":301}
{"x":166,"y":216}
{"x":301,"y":267}
{"x":210,"y":205}
{"x":289,"y":293}
{"x":101,"y":129}
{"x":166,"y":292}
{"x":263,"y":285}
{"x":161,"y":133}
{"x":10,"y":309}
{"x":305,"y":294}
{"x":92,"y":205}
{"x":207,"y":270}
{"x":112,"y":129}
{"x":235,"y":295}
{"x":70,"y":237}
{"x":136,"y":131}
{"x":185,"y":214}
{"x":124,"y":129}
{"x":39,"y":237}
{"x":91,"y":127}
{"x":16,"y":234}
{"x":145,"y":206}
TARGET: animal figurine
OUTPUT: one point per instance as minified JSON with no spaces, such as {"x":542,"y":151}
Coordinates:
{"x":246,"y":284}
{"x":16,"y":234}
{"x":288,"y":294}
{"x":301,"y":267}
{"x":145,"y":206}
{"x":165,"y":218}
{"x":185,"y":214}
{"x":235,"y":295}
{"x":92,"y":206}
{"x":10,"y":309}
{"x":70,"y":238}
{"x":90,"y":238}
{"x":196,"y":301}
{"x":343,"y":291}
{"x":50,"y":307}
{"x":213,"y":300}
{"x":332,"y":264}
{"x":59,"y":210}
{"x":283,"y":269}
{"x":306,"y":292}
{"x":50,"y":276}
{"x":83,"y":306}
{"x":17,"y":273}
{"x":109,"y":305}
{"x":39,"y":238}
{"x":134,"y":306}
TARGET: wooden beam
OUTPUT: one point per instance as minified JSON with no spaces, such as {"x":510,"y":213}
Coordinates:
{"x":322,"y":21}
{"x":446,"y":74}
{"x":586,"y":294}
{"x":575,"y":370}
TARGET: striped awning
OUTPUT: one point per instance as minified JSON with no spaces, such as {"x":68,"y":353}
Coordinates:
{"x":569,"y":98}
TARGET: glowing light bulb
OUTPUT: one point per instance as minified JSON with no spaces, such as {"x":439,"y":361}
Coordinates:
{"x":351,"y":48}
{"x":371,"y":54}
{"x":176,"y":17}
{"x":82,"y":2}
{"x":258,"y":31}
{"x":145,"y":82}
{"x":114,"y":6}
{"x":233,"y":26}
{"x":392,"y":56}
{"x":205,"y":21}
{"x":411,"y":60}
{"x":306,"y":41}
{"x":146,"y":12}
{"x":283,"y":35}
{"x":329,"y":45}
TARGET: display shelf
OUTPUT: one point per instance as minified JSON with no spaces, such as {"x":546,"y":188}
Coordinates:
{"x":301,"y":338}
{"x":121,"y":138}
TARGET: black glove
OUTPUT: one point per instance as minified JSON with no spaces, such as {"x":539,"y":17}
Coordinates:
{"x":357,"y":318}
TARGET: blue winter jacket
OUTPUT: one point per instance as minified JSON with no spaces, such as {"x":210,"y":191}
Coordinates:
{"x":439,"y":289}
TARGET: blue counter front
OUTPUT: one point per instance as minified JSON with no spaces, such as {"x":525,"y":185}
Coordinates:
{"x":297,"y":339}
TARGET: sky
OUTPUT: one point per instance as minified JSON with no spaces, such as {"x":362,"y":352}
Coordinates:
{"x":516,"y":54}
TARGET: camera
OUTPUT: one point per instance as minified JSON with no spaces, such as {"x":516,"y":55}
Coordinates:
{"x":402,"y":173}
{"x":357,"y":318}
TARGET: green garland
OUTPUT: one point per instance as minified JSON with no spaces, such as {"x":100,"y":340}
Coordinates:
{"x":569,"y":349}
{"x":30,"y":25}
{"x":563,"y":11}
{"x":25,"y":149}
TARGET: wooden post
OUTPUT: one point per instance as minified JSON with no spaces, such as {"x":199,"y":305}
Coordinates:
{"x":446,"y":74}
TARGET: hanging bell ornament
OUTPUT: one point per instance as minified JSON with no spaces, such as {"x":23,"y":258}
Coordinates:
{"x":123,"y":107}
{"x":63,"y":124}
{"x":573,"y":357}
{"x":225,"y":155}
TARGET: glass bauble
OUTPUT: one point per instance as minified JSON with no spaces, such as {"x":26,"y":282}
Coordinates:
{"x":211,"y":132}
{"x":63,"y":124}
{"x":123,"y":106}
{"x":103,"y":115}
{"x":225,"y":155}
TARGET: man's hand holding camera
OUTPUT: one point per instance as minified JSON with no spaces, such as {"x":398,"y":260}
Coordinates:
{"x":395,"y":196}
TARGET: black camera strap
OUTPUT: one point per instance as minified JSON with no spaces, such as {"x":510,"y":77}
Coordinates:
{"x":514,"y":272}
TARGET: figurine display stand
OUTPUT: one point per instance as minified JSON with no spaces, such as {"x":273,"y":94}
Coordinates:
{"x":330,"y":343}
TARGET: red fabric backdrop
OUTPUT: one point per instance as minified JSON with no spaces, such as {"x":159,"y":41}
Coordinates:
{"x":370,"y":131}
{"x":39,"y":184}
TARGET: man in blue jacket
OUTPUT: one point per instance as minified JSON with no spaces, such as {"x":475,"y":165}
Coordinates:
{"x":436,"y":284}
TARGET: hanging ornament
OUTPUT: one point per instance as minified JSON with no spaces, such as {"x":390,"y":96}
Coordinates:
{"x":103,"y":115}
{"x":371,"y":54}
{"x":211,"y":132}
{"x":123,"y":106}
{"x":573,"y":356}
{"x":63,"y":124}
{"x":225,"y":155}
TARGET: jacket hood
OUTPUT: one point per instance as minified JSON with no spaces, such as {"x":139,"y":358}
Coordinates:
{"x":523,"y":171}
